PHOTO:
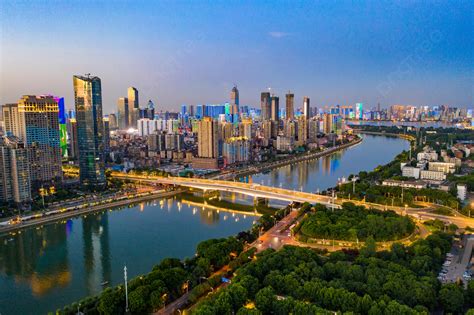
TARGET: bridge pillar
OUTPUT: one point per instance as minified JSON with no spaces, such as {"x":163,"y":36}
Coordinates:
{"x":207,"y":193}
{"x":257,"y":201}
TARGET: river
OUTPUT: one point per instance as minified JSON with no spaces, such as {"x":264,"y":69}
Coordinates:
{"x":44,"y":268}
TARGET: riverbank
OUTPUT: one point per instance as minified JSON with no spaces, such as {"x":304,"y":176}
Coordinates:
{"x":296,"y":159}
{"x":375,"y":133}
{"x":75,"y":213}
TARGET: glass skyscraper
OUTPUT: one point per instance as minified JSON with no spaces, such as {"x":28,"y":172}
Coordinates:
{"x":90,"y":130}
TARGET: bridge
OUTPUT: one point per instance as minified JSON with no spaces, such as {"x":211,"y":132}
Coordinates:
{"x":253,"y":190}
{"x":267,"y":192}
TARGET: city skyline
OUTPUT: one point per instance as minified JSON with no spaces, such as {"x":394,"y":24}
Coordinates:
{"x":334,"y":54}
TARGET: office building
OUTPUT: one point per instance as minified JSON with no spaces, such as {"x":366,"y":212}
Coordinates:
{"x":15,"y":180}
{"x":266,"y":106}
{"x":113,"y":123}
{"x":133,"y":106}
{"x":123,"y":113}
{"x":359,"y":111}
{"x":90,"y":130}
{"x":275,"y":108}
{"x":39,"y":121}
{"x":234,"y":105}
{"x":73,"y":145}
{"x":290,"y":106}
{"x":106,"y":136}
{"x":306,"y":108}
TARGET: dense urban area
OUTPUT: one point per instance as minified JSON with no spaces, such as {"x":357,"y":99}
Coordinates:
{"x":392,"y":240}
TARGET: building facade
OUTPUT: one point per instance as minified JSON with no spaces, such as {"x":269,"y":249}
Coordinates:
{"x":90,"y":130}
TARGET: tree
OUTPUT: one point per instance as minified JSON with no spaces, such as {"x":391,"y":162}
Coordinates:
{"x":451,"y":297}
{"x":264,"y":299}
{"x":111,"y":302}
{"x":138,"y":300}
{"x":156,"y":298}
{"x":470,"y":293}
{"x":370,"y":247}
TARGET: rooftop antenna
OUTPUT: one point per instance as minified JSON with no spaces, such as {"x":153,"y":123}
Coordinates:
{"x":88,"y":75}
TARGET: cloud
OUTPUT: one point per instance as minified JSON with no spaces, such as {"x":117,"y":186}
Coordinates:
{"x":278,"y":34}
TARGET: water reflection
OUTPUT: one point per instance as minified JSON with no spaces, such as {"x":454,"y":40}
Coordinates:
{"x":96,"y":250}
{"x":28,"y":257}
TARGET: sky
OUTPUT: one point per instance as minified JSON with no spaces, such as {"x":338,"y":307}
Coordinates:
{"x":193,"y":52}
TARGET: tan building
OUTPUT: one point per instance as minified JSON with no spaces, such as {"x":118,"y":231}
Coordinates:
{"x":327,"y":123}
{"x":207,"y":138}
{"x":11,"y":118}
{"x":290,"y":105}
{"x":447,"y":168}
{"x":39,"y":120}
{"x":432,"y":175}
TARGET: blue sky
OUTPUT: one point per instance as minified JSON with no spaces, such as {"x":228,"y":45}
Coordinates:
{"x":175,"y":52}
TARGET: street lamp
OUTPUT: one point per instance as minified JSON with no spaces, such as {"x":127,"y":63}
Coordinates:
{"x":406,"y":208}
{"x":126,"y":288}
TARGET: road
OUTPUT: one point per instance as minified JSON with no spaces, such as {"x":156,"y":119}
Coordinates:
{"x":73,"y":213}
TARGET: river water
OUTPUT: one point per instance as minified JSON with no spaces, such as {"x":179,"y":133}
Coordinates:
{"x":42,"y":269}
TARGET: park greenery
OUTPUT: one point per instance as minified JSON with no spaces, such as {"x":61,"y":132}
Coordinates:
{"x":173,"y":277}
{"x":296,"y":280}
{"x":355,"y":223}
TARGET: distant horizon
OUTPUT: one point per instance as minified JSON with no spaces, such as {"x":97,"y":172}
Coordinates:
{"x":177,"y":108}
{"x":177,"y":53}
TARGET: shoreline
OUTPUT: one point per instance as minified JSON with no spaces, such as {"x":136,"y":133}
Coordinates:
{"x":75,"y":213}
{"x":297,"y":159}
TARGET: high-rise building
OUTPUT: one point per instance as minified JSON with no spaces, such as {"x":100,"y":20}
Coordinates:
{"x":245,"y":128}
{"x":226,"y":130}
{"x":15,"y":181}
{"x":62,"y":126}
{"x":90,"y":130}
{"x":234,"y":96}
{"x":150,"y":110}
{"x":11,"y":120}
{"x":133,"y":106}
{"x":234,"y":103}
{"x":266,"y":106}
{"x":208,"y":138}
{"x":123,"y":113}
{"x":113,"y":123}
{"x":39,"y":120}
{"x":302,"y":130}
{"x":275,"y":108}
{"x":73,"y":145}
{"x":313,"y":129}
{"x":327,"y":123}
{"x":306,"y":108}
{"x":106,"y":136}
{"x":359,"y":111}
{"x":290,"y":105}
{"x":236,"y":150}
